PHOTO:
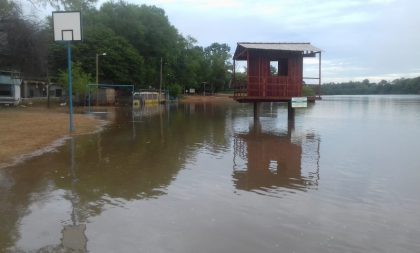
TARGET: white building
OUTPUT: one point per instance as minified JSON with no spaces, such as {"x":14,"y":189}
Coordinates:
{"x":10,"y":82}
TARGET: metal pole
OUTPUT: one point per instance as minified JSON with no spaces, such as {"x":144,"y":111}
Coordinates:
{"x":97,"y":79}
{"x":319,"y":76}
{"x":71,"y":127}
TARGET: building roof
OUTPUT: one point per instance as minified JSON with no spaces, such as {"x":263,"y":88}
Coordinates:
{"x":305,"y":48}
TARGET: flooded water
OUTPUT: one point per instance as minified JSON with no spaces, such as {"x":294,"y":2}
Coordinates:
{"x":342,"y":177}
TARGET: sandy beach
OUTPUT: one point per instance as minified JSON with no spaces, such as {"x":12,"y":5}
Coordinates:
{"x":30,"y":131}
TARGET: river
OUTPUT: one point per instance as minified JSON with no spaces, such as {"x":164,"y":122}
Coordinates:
{"x":343,"y":176}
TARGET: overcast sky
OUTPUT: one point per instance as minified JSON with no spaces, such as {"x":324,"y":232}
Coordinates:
{"x":376,"y":39}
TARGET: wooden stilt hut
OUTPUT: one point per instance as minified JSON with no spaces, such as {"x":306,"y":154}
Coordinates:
{"x":274,"y":71}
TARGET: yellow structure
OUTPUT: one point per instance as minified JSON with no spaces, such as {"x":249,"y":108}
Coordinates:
{"x":147,"y":97}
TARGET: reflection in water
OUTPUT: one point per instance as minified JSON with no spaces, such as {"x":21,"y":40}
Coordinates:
{"x":74,"y":237}
{"x":171,"y":188}
{"x":265,"y":162}
{"x":107,"y":169}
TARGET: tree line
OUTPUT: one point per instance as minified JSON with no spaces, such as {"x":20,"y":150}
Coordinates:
{"x":397,"y":86}
{"x":135,"y":38}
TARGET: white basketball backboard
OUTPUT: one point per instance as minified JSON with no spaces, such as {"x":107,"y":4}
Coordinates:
{"x":67,"y":26}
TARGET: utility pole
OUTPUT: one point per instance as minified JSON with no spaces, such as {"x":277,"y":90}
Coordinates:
{"x":97,"y":79}
{"x":48,"y":87}
{"x":160,"y":82}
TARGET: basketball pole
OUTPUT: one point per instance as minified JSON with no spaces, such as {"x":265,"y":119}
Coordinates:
{"x":71,"y":126}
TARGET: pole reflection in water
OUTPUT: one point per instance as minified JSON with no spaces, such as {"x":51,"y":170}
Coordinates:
{"x":139,"y":114}
{"x":267,"y":162}
{"x":74,"y":237}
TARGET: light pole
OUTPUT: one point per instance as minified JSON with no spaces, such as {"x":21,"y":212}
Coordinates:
{"x":97,"y":66}
{"x":97,"y":74}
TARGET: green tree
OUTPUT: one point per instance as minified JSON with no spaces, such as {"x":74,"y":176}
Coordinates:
{"x":307,"y":91}
{"x":174,"y":90}
{"x":397,"y":86}
{"x":135,"y":38}
{"x":23,"y":42}
{"x":191,"y":68}
{"x":122,"y":63}
{"x":80,"y":81}
{"x":149,"y":31}
{"x":217,"y":57}
{"x":65,"y":4}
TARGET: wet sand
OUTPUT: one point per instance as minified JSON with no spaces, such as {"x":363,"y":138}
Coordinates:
{"x":217,"y":98}
{"x":26,"y":132}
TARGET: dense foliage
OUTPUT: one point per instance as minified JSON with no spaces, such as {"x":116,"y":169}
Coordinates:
{"x":135,"y":38}
{"x":22,"y":42}
{"x":308,"y":91}
{"x":79,"y":82}
{"x":397,"y":86}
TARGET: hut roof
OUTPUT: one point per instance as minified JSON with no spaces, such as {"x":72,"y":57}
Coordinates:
{"x":305,"y":48}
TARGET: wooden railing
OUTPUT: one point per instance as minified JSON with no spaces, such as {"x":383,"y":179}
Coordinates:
{"x":274,"y":86}
{"x":240,"y":89}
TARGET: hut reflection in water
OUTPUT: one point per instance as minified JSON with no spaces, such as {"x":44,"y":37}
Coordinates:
{"x":265,"y":161}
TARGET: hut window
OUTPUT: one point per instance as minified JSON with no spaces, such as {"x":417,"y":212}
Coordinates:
{"x":274,"y":66}
{"x":283,"y":67}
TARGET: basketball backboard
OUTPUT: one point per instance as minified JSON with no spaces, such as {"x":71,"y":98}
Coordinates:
{"x":67,"y":26}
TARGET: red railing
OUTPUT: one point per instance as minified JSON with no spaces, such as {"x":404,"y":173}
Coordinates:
{"x":273,"y":86}
{"x":240,"y":89}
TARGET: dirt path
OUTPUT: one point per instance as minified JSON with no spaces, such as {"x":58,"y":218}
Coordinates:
{"x":29,"y":131}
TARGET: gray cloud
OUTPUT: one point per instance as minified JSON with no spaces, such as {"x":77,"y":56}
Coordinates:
{"x":361,"y":39}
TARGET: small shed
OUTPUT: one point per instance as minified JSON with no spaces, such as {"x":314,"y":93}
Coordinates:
{"x":10,"y":82}
{"x":274,"y":71}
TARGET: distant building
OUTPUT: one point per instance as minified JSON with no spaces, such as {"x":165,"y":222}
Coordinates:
{"x":106,"y":96}
{"x":10,"y":83}
{"x":32,"y":88}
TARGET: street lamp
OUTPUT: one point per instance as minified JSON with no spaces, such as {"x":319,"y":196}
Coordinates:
{"x":97,"y":74}
{"x":97,"y":66}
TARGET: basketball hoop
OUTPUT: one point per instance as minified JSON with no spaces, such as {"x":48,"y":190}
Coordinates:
{"x":67,"y":28}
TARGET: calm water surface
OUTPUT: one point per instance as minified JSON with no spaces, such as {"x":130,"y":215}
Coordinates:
{"x":342,"y":177}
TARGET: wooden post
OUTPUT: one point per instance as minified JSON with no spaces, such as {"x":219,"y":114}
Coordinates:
{"x":290,"y":126}
{"x":256,"y":110}
{"x":256,"y":127}
{"x":290,"y":111}
{"x":234,"y":72}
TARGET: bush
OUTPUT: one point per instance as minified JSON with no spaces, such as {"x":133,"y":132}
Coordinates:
{"x":307,"y":91}
{"x":80,"y":80}
{"x":174,"y":90}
